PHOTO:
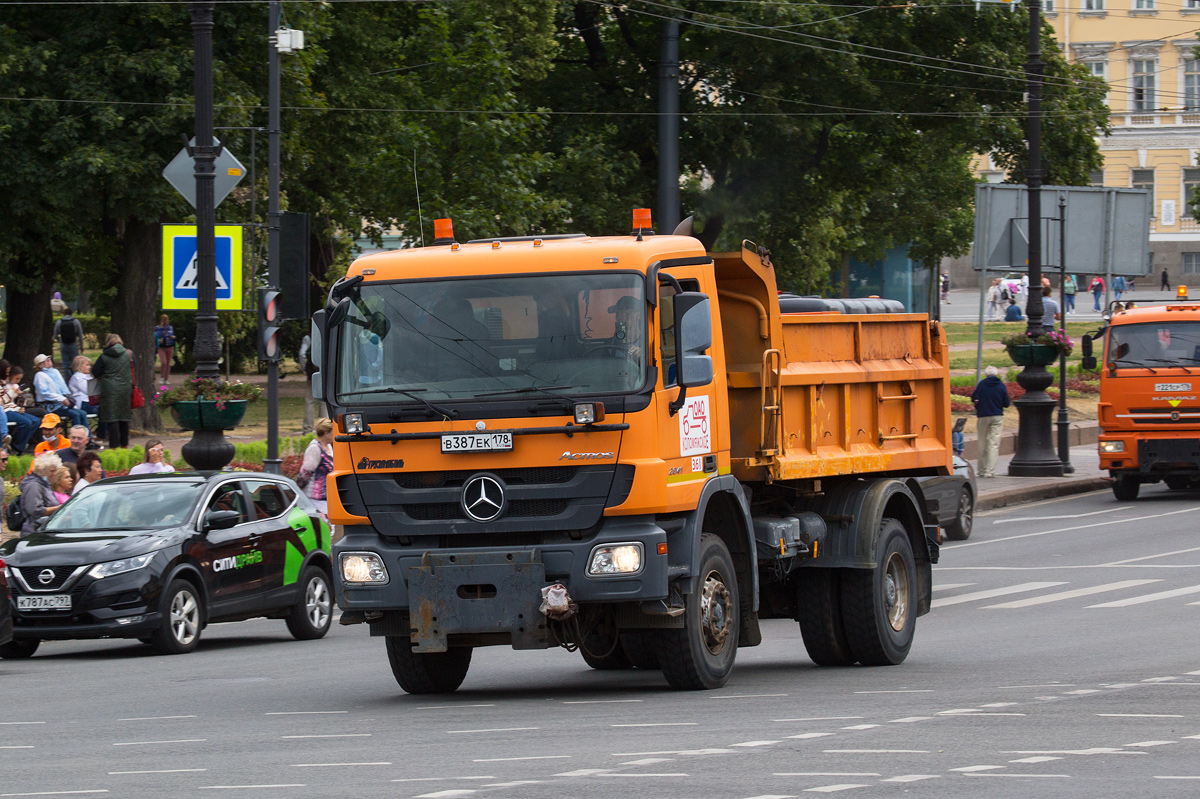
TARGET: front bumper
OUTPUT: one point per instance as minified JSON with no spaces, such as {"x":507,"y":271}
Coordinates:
{"x":1151,"y":456}
{"x":122,"y":606}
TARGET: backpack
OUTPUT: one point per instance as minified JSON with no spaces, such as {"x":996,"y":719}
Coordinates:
{"x":1004,"y":295}
{"x":68,"y":333}
{"x":14,"y":515}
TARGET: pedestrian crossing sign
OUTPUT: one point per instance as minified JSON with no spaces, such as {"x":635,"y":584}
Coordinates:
{"x":180,"y":279}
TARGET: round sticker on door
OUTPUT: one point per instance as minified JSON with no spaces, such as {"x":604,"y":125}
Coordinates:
{"x":694,"y":433}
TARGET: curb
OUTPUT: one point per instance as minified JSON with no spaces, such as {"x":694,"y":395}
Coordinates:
{"x":1025,"y":494}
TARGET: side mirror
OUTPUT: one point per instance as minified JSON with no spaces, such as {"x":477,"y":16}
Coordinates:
{"x":316,"y":352}
{"x":221,"y":519}
{"x":1086,"y":343}
{"x":1088,"y":362}
{"x":339,"y":313}
{"x":693,"y":326}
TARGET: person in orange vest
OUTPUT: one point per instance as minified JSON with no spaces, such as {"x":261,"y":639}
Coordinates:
{"x":52,"y":437}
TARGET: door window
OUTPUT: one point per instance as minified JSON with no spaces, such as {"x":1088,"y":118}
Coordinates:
{"x":229,"y":496}
{"x":267,"y":499}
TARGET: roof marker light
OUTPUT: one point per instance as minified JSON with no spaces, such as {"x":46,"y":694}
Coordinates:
{"x":443,"y":231}
{"x":495,"y":245}
{"x":1181,"y":293}
{"x":641,"y":221}
{"x":537,"y":242}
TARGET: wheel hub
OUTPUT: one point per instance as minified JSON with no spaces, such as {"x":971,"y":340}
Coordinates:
{"x":896,"y":591}
{"x":185,"y":617}
{"x":316,"y":602}
{"x":715,"y":612}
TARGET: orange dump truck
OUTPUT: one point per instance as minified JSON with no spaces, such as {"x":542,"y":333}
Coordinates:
{"x":626,"y":445}
{"x":1149,"y":385}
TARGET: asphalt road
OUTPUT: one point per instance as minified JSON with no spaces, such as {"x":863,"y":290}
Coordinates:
{"x":1062,"y":659}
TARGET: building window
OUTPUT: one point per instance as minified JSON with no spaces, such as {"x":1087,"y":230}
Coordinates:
{"x":1191,"y":263}
{"x":1191,"y":3}
{"x":1048,"y":6}
{"x":1143,"y":5}
{"x":1191,"y":82}
{"x":1096,"y":177}
{"x":1099,"y":69}
{"x":1143,"y":179}
{"x":1093,"y":5}
{"x":1143,"y":84}
{"x":1191,"y":180}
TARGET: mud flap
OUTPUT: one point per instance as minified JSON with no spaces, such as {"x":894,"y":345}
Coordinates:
{"x":486,"y":592}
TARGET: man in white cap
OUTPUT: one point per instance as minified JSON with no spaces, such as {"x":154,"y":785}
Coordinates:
{"x":51,"y":392}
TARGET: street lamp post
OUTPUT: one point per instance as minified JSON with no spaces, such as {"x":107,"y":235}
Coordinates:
{"x":207,"y":449}
{"x":1035,"y":456}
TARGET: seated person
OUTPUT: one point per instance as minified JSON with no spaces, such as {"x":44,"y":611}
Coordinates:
{"x":1013,"y":312}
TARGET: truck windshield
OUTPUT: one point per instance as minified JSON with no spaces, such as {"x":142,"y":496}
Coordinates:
{"x":1155,"y":344}
{"x":578,"y":334}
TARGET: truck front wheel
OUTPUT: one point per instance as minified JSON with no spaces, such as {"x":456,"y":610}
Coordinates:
{"x":427,"y":672}
{"x":700,"y":655}
{"x":1125,"y":488}
{"x":879,"y":607}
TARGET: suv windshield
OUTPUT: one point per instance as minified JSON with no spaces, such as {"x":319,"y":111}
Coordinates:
{"x":1155,"y":344}
{"x":431,"y":340}
{"x":133,"y":506}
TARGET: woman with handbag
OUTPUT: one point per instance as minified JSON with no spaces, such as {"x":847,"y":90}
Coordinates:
{"x":317,"y":464}
{"x":114,"y":370}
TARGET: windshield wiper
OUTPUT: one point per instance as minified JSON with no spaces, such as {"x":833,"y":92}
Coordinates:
{"x":411,"y":393}
{"x":550,"y":390}
{"x":1172,"y":362}
{"x":1136,"y":363}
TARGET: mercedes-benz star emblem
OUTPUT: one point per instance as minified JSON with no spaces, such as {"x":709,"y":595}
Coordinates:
{"x":483,"y":498}
{"x":46,"y":576}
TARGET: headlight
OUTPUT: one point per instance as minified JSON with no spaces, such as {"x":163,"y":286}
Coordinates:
{"x":616,"y":559}
{"x":589,"y":412}
{"x":363,"y":567}
{"x":352,"y":423}
{"x":120,"y":566}
{"x":1112,"y":446}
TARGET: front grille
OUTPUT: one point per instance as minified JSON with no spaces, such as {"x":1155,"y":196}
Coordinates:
{"x":452,"y":511}
{"x":31,"y":576}
{"x":533,"y":476}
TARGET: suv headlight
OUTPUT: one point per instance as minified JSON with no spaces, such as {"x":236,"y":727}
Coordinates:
{"x":1112,"y":446}
{"x":363,"y":567}
{"x":120,"y":566}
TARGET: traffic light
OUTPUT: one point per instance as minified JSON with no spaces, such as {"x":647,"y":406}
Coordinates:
{"x":269,"y":320}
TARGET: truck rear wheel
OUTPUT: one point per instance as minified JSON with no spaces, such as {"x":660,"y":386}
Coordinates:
{"x":1177,"y":482}
{"x":602,"y":649}
{"x":427,"y":672}
{"x":641,"y":648}
{"x":879,"y":607}
{"x":819,"y":600}
{"x":1125,"y":488}
{"x":701,"y":654}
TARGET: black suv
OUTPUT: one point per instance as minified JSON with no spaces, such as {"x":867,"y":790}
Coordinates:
{"x":158,"y":557}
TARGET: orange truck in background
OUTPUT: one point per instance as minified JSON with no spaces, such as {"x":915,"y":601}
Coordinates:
{"x":1149,"y":387}
{"x":626,"y":445}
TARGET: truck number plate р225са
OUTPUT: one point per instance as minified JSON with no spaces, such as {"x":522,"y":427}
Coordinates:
{"x":47,"y":602}
{"x":477,"y":442}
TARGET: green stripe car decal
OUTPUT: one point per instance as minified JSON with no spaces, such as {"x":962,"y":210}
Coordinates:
{"x":308,"y":535}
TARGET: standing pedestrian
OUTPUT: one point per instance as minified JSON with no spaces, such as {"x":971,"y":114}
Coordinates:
{"x":1119,"y":286}
{"x":114,"y":370}
{"x":317,"y":464}
{"x":1069,"y":289}
{"x":51,"y":392}
{"x":993,"y":298}
{"x":164,"y":341}
{"x":1097,"y":288}
{"x":946,"y":287}
{"x":69,"y":335}
{"x":990,"y":398}
{"x":1050,"y":311}
{"x":304,"y":358}
{"x":1166,"y":280}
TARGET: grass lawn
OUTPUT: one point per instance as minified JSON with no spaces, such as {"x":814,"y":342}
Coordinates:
{"x":968,"y":332}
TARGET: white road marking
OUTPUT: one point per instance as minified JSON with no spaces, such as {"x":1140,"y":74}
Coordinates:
{"x":1152,"y":557}
{"x":446,"y":707}
{"x":240,"y":787}
{"x":442,"y":779}
{"x":822,"y":718}
{"x":899,"y":691}
{"x":834,"y":788}
{"x":583,"y":772}
{"x":10,"y":723}
{"x":151,"y":743}
{"x":826,"y":774}
{"x":55,"y":793}
{"x":494,"y":729}
{"x":646,"y":761}
{"x":1189,"y":673}
{"x":854,"y":727}
{"x":1121,"y":685}
{"x":1061,"y":595}
{"x":510,"y":784}
{"x":530,"y":757}
{"x":159,"y":771}
{"x":1160,"y":679}
{"x":758,"y":743}
{"x":21,"y":746}
{"x":332,"y":735}
{"x":948,"y":586}
{"x":876,"y":751}
{"x":1069,"y":529}
{"x":985,"y":713}
{"x":335,"y":765}
{"x":306,"y":713}
{"x":1145,"y":744}
{"x":446,"y":794}
{"x":660,"y":724}
{"x":804,"y":735}
{"x":993,"y":592}
{"x":641,"y":775}
{"x":773,"y":796}
{"x":958,"y":711}
{"x":1141,"y":715}
{"x":999,"y":704}
{"x":1095,"y":750}
{"x":599,"y":701}
{"x":1051,"y":518}
{"x":1041,"y":685}
{"x":1138,"y":600}
{"x":1176,"y":778}
{"x":1022,"y":776}
{"x":147,"y":718}
{"x":910,"y":719}
{"x":911,"y":778}
{"x":1081,"y":692}
{"x":969,"y":769}
{"x":744,"y":696}
{"x":1192,"y":736}
{"x":1036,"y":759}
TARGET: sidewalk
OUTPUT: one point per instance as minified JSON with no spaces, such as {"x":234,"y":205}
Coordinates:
{"x":1001,"y":491}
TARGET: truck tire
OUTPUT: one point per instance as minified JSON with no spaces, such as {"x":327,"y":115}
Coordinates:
{"x":1177,"y":482}
{"x":641,"y":647}
{"x":879,"y":607}
{"x":603,"y":651}
{"x":1125,"y":488}
{"x":427,"y":672}
{"x":964,"y":519}
{"x":819,"y":602}
{"x":701,"y":654}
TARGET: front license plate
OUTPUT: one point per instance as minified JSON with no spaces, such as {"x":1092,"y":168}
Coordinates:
{"x":48,"y":602}
{"x":477,"y":442}
{"x":1172,"y":386}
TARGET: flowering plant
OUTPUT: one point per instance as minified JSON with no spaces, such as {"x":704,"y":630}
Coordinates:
{"x":1057,"y":339}
{"x":207,"y":388}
